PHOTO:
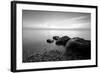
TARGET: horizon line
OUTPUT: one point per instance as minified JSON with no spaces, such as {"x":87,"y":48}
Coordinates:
{"x":56,"y":29}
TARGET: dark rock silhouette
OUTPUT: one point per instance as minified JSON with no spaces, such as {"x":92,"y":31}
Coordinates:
{"x":62,"y":41}
{"x":76,"y":47}
{"x":79,"y":47}
{"x":50,"y":41}
{"x":56,"y":37}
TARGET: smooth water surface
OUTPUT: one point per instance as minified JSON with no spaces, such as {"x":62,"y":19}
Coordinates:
{"x":34,"y":41}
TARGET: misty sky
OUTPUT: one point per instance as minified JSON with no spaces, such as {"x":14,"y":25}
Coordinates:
{"x":33,"y":19}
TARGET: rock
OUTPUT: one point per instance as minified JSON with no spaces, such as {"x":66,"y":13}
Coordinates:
{"x":62,"y":41}
{"x":50,"y":41}
{"x":56,"y":37}
{"x":80,"y":47}
{"x":52,"y":55}
{"x":77,"y":42}
{"x":77,"y":48}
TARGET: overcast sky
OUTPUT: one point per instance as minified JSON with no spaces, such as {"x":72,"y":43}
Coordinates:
{"x":55,"y":20}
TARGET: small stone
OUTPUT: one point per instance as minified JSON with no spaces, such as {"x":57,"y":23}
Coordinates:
{"x":50,"y":41}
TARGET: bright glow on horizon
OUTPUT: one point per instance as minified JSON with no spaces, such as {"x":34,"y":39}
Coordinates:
{"x":55,"y":20}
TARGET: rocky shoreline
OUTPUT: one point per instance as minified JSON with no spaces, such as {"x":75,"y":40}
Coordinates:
{"x":75,"y":49}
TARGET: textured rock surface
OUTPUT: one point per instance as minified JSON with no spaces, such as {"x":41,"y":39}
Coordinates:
{"x":52,"y":55}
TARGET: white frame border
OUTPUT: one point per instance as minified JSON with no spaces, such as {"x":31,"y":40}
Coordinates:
{"x":38,"y":65}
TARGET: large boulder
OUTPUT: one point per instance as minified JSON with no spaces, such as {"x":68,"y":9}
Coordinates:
{"x":80,"y":47}
{"x":77,"y":47}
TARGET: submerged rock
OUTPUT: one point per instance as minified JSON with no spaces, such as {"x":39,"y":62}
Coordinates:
{"x":52,"y":55}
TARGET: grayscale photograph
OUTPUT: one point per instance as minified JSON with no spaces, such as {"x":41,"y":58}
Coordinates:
{"x":55,"y":36}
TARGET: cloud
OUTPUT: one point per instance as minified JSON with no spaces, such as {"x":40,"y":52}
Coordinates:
{"x":55,"y":20}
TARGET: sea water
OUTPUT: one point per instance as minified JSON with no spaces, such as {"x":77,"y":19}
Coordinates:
{"x":34,"y":41}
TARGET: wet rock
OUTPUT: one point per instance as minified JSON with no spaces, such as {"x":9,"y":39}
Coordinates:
{"x":52,"y":55}
{"x":50,"y":41}
{"x":62,"y":41}
{"x":79,"y":47}
{"x":56,"y":37}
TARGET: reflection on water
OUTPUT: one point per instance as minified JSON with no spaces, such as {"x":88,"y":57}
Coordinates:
{"x":35,"y":40}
